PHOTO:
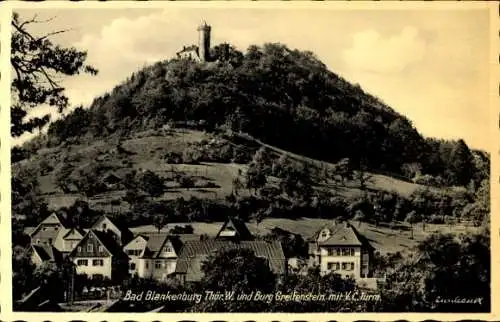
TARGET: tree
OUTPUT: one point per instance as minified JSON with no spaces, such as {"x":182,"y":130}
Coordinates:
{"x":362,"y":176}
{"x":22,"y":273}
{"x":461,"y":164}
{"x":412,"y":218}
{"x":237,"y":185}
{"x":359,"y":216}
{"x":26,"y":201}
{"x":255,"y":178}
{"x":36,"y":63}
{"x":344,"y":170}
{"x":236,"y":271}
{"x":159,"y":221}
{"x":151,"y":183}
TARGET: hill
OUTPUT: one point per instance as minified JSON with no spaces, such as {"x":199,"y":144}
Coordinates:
{"x":266,"y":133}
{"x":320,"y":115}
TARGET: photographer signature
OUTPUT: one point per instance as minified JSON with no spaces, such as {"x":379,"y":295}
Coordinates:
{"x":460,"y":300}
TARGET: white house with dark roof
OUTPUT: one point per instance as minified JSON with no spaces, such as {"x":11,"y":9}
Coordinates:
{"x":341,"y":249}
{"x":98,"y":255}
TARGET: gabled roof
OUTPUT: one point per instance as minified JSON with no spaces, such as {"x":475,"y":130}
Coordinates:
{"x":341,"y":234}
{"x":46,"y":232}
{"x":156,"y":242}
{"x":111,"y":177}
{"x":77,"y":231}
{"x":115,"y":221}
{"x":52,"y":220}
{"x":109,"y":243}
{"x":240,"y":229}
{"x":47,"y":252}
{"x":106,"y":240}
{"x":194,"y":253}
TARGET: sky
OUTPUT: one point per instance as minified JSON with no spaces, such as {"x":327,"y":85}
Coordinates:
{"x":430,"y":65}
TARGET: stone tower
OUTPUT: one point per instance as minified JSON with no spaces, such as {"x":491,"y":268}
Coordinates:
{"x":204,"y":41}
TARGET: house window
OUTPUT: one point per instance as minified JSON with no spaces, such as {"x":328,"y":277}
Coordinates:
{"x":333,"y":266}
{"x":104,"y":226}
{"x":147,"y":264}
{"x":50,"y":240}
{"x":338,"y":251}
{"x":101,"y":249}
{"x":331,"y":252}
{"x":38,"y":241}
{"x":97,"y":276}
{"x":82,"y":262}
{"x":132,"y":266}
{"x":90,"y":247}
{"x":168,"y":249}
{"x":133,"y":252}
{"x":158,"y":264}
{"x":348,"y":252}
{"x":97,"y":262}
{"x":347,"y":266}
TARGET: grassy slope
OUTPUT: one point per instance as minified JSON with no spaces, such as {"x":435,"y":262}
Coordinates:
{"x":147,"y":149}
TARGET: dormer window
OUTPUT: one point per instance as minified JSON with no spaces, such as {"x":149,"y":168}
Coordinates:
{"x":90,"y":247}
{"x":104,"y":226}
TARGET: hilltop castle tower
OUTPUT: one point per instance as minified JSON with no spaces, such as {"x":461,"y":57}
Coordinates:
{"x":204,"y":41}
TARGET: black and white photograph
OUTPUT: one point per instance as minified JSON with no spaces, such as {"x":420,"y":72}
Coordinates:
{"x":272,"y":159}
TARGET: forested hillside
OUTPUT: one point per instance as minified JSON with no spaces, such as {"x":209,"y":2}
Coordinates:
{"x":286,"y":98}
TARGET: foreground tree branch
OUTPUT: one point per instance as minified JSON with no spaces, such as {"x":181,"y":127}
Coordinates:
{"x":38,"y":65}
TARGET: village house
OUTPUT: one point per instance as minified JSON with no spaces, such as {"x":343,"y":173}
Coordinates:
{"x":154,"y":255}
{"x":53,"y":239}
{"x":99,"y":256}
{"x":44,"y":253}
{"x":233,"y":235}
{"x":340,"y":248}
{"x":119,"y":232}
{"x":48,"y":230}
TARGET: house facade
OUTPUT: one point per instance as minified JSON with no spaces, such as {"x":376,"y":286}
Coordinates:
{"x":339,"y":248}
{"x":154,"y":255}
{"x":98,"y":256}
{"x":48,"y":230}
